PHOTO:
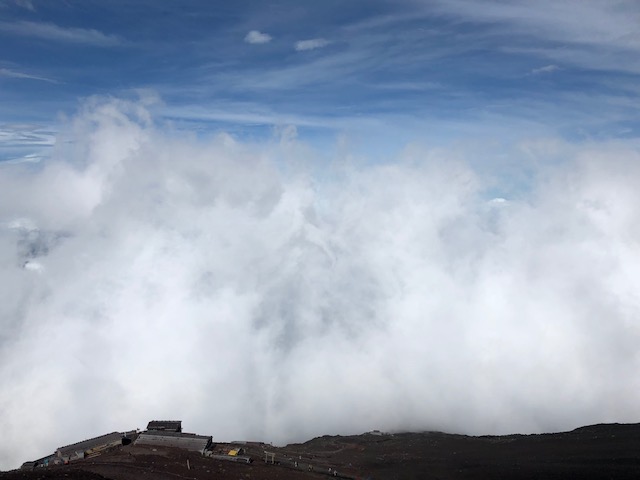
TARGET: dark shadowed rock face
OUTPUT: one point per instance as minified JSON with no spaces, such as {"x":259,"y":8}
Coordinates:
{"x":609,"y":451}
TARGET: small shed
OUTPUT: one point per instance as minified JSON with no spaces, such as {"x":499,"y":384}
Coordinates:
{"x":44,"y":461}
{"x":29,"y":465}
{"x":165,"y":425}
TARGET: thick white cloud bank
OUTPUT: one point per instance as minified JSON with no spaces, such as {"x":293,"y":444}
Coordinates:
{"x":146,"y":275}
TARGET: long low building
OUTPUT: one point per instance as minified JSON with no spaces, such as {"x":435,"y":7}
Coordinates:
{"x":186,"y":441}
{"x":92,"y":445}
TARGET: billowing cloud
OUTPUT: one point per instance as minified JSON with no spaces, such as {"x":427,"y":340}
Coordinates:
{"x":254,"y":36}
{"x":311,"y":44}
{"x":144,"y":275}
{"x":50,"y":31}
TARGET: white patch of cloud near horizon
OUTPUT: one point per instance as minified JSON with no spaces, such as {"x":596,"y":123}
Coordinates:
{"x":257,"y":37}
{"x":50,"y":31}
{"x":146,"y":275}
{"x":311,"y":44}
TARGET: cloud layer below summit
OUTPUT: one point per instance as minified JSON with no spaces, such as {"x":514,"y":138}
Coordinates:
{"x":147,"y":274}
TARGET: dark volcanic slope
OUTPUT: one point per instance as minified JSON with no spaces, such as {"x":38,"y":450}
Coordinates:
{"x":595,"y":452}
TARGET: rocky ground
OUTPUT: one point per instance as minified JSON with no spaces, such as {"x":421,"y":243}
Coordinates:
{"x":610,"y":451}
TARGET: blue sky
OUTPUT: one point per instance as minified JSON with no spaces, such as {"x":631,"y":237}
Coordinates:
{"x":385,"y":72}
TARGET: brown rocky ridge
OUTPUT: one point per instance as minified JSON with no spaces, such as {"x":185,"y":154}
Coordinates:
{"x":605,"y":451}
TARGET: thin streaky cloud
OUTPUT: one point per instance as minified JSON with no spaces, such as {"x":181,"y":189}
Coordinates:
{"x":27,"y":4}
{"x":590,"y":34}
{"x":257,"y":37}
{"x":407,"y":86}
{"x":247,"y":114}
{"x":384,"y":21}
{"x":545,"y":69}
{"x":593,"y":23}
{"x":311,"y":44}
{"x":593,"y":59}
{"x":50,"y":31}
{"x":25,"y":135}
{"x":363,"y":57}
{"x":31,"y":158}
{"x":5,"y":72}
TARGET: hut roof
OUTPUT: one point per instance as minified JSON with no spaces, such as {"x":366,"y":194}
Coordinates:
{"x":187,"y":441}
{"x":165,"y":425}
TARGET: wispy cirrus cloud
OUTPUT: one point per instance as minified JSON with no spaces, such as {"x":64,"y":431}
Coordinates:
{"x":311,"y":44}
{"x":587,"y":22}
{"x":29,"y":158}
{"x":26,"y":134}
{"x":50,"y":31}
{"x":5,"y":72}
{"x":257,"y":37}
{"x":593,"y":30}
{"x":545,"y":69}
{"x":27,"y":4}
{"x":25,"y":143}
